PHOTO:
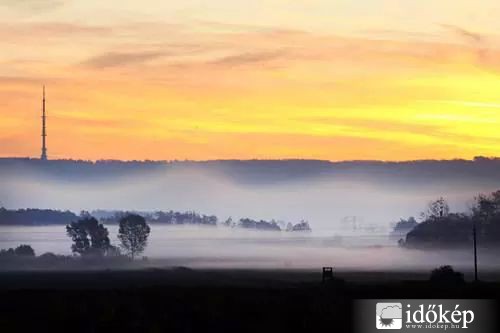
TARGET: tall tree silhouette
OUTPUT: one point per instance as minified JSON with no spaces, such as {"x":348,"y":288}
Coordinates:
{"x":133,"y":234}
{"x":436,"y":210}
{"x":89,"y":236}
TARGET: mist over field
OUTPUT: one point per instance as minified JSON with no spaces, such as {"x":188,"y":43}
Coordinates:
{"x":332,"y":197}
{"x":220,"y":247}
{"x":323,"y":193}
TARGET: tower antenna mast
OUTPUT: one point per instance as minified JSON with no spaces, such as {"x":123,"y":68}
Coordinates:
{"x":43,"y":157}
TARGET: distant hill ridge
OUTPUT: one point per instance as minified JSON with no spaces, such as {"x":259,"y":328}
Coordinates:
{"x":256,"y":160}
{"x":480,"y":168}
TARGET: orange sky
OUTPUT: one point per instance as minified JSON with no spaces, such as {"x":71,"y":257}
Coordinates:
{"x":326,"y":79}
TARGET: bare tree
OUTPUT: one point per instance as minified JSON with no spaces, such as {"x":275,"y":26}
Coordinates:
{"x":436,"y":210}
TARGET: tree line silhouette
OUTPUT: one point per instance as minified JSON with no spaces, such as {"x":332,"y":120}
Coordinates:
{"x":442,"y":228}
{"x":163,"y":217}
{"x":262,"y":171}
{"x":90,"y":237}
{"x":34,"y":216}
{"x":90,"y":241}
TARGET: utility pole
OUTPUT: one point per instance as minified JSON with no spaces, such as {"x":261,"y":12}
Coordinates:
{"x":474,"y":235}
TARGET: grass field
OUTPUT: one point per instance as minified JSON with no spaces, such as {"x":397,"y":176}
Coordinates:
{"x":184,"y":300}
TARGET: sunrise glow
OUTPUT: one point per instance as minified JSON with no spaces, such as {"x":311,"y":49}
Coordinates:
{"x":322,"y":79}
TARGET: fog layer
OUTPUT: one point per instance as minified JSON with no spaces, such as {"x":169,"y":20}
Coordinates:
{"x":325,"y":200}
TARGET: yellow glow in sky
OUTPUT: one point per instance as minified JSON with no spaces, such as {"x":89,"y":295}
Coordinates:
{"x":336,"y":80}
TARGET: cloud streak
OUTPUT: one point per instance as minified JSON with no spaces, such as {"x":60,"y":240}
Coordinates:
{"x":477,"y":41}
{"x":220,"y":90}
{"x":33,"y":5}
{"x":118,"y":59}
{"x":250,"y":58}
{"x":33,"y":32}
{"x":464,"y":33}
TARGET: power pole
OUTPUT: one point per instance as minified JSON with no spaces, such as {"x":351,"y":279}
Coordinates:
{"x":475,"y":247}
{"x":43,"y":157}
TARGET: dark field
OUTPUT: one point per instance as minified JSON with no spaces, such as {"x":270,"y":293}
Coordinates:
{"x":183,"y":300}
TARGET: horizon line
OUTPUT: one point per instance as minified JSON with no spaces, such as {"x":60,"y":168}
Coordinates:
{"x":475,"y":158}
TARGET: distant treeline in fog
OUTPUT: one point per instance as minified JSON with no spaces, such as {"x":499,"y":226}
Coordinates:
{"x":168,"y":217}
{"x":442,"y":228}
{"x":258,"y":171}
{"x":35,"y":217}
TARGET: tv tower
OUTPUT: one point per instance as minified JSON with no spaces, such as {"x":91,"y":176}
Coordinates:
{"x":43,"y":157}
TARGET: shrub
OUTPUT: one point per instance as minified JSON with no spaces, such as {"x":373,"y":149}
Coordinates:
{"x":446,"y":274}
{"x":24,"y":250}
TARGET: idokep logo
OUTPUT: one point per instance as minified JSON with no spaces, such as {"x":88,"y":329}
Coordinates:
{"x":389,"y":316}
{"x":425,"y":315}
{"x":437,"y":316}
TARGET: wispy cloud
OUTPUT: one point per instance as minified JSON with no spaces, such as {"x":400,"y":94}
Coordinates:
{"x":33,"y":5}
{"x":116,"y":59}
{"x":35,"y":31}
{"x":464,"y":33}
{"x":68,"y":119}
{"x":18,"y":79}
{"x":248,"y":28}
{"x":249,"y":58}
{"x":472,"y":104}
{"x":477,"y":41}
